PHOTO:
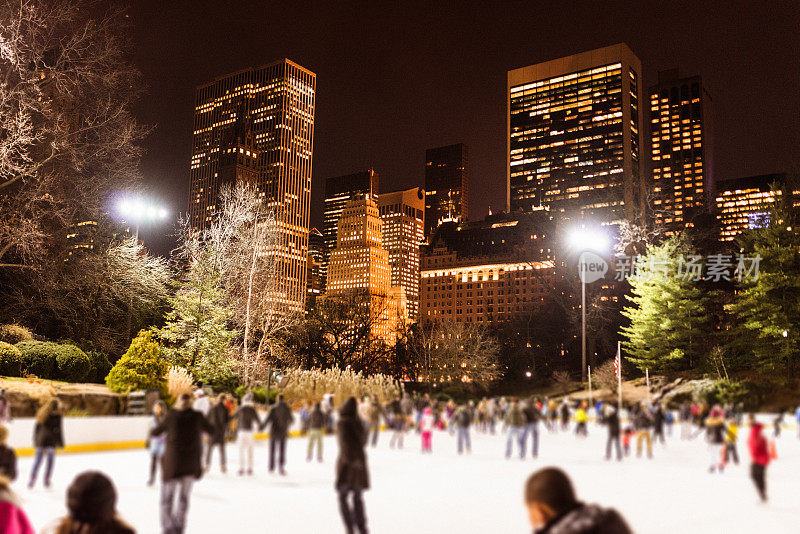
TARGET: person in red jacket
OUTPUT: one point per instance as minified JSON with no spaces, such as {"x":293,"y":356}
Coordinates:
{"x":759,"y":452}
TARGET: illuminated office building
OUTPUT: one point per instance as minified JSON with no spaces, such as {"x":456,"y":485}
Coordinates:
{"x":338,"y":192}
{"x":403,"y":216}
{"x":680,"y":148}
{"x":573,"y":136}
{"x":359,"y":265}
{"x":494,"y":270}
{"x":316,"y":254}
{"x":745,"y":203}
{"x":265,"y":116}
{"x":446,"y":186}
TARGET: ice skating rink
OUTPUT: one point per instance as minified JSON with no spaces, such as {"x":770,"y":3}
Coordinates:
{"x":444,"y":492}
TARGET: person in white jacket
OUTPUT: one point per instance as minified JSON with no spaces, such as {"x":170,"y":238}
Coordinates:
{"x":426,"y":423}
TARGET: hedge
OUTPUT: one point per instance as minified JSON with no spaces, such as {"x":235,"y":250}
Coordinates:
{"x":10,"y":360}
{"x":39,"y":358}
{"x":101,"y":366}
{"x":73,"y":364}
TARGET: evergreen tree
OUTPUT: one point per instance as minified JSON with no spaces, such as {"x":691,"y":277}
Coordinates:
{"x":667,"y":312}
{"x":766,"y":308}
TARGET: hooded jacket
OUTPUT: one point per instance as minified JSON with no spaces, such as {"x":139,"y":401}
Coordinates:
{"x":587,"y":519}
{"x":183,"y":427}
{"x":757,"y":444}
{"x":351,"y":465}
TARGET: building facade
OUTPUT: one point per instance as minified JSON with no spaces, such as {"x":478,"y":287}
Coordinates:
{"x":573,"y":136}
{"x":446,"y":186}
{"x":680,"y":151}
{"x":403,"y":216}
{"x":314,"y":280}
{"x":266,"y":116}
{"x":494,"y":270}
{"x":359,"y":265}
{"x":339,"y":191}
{"x":746,"y":203}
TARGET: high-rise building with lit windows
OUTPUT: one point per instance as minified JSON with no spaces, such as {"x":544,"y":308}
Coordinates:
{"x":359,"y":265}
{"x":339,"y":190}
{"x":746,"y":203}
{"x":258,"y":124}
{"x":573,"y":140}
{"x":403,"y":216}
{"x":316,"y":254}
{"x":446,"y":186}
{"x":680,"y":151}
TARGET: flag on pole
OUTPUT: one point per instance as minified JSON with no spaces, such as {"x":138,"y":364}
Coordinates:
{"x":616,"y":363}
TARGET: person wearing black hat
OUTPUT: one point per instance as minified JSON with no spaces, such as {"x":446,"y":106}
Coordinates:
{"x":352,"y":475}
{"x":92,"y":505}
{"x":181,"y":464}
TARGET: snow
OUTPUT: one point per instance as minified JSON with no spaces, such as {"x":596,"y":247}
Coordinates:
{"x":412,"y":492}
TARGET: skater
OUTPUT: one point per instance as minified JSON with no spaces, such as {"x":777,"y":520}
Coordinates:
{"x":47,"y":436}
{"x":731,"y":436}
{"x":374,"y":411}
{"x":552,"y":412}
{"x":247,"y":422}
{"x":777,"y":424}
{"x":399,"y":423}
{"x":759,"y":454}
{"x":669,"y":420}
{"x":611,"y":420}
{"x":532,"y":418}
{"x":426,"y":424}
{"x":12,"y":516}
{"x":462,"y":419}
{"x":155,"y":446}
{"x":643,"y":422}
{"x":8,"y":458}
{"x":218,"y":417}
{"x":5,"y":408}
{"x":685,"y":415}
{"x":280,"y":418}
{"x":564,"y":413}
{"x":352,"y":473}
{"x":658,"y":425}
{"x":797,"y":420}
{"x":581,"y":418}
{"x":515,"y":423}
{"x":553,"y":507}
{"x":182,"y":462}
{"x":315,"y":424}
{"x":92,"y":505}
{"x":715,"y":435}
{"x":627,"y":437}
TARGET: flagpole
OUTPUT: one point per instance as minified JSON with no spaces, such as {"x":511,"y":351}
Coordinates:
{"x":590,"y":386}
{"x":619,"y":378}
{"x":647,"y":378}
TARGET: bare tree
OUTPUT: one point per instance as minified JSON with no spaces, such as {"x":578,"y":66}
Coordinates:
{"x":563,"y":382}
{"x":69,"y":139}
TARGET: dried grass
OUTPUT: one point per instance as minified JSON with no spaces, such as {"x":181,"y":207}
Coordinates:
{"x":179,"y":381}
{"x":310,"y":386}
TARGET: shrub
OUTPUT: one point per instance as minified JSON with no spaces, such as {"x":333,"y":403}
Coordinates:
{"x":731,"y":391}
{"x":141,"y":367}
{"x":606,"y":376}
{"x":310,"y":386}
{"x":14,"y":333}
{"x":73,"y":364}
{"x":563,"y":382}
{"x":259,"y":393}
{"x":39,"y":358}
{"x":10,"y":360}
{"x":100,"y":366}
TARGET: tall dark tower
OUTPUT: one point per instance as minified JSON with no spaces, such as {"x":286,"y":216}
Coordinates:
{"x":446,"y":186}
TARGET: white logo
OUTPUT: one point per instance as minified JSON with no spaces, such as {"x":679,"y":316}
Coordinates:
{"x":591,"y":267}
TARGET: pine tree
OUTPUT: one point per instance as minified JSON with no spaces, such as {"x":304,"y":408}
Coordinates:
{"x":667,"y":312}
{"x":766,"y":309}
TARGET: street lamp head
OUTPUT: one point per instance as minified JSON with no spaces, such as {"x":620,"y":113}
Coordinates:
{"x":137,"y":210}
{"x":583,"y":239}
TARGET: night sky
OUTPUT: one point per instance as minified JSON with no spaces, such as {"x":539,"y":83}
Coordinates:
{"x":395,"y":78}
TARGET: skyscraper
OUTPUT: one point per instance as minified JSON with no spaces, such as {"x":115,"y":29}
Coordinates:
{"x":316,"y":254}
{"x":403,"y":216}
{"x":680,"y":146}
{"x":266,"y":116}
{"x":359,"y":265}
{"x":446,"y":186}
{"x":746,"y":203}
{"x":339,"y":191}
{"x":573,"y":136}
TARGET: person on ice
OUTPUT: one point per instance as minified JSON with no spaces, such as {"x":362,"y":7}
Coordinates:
{"x":218,"y":417}
{"x":156,"y":445}
{"x":48,"y":434}
{"x":715,"y":435}
{"x":279,"y":420}
{"x":642,"y":421}
{"x":315,"y":424}
{"x":515,"y":423}
{"x":581,"y":419}
{"x":731,"y":436}
{"x":611,"y":420}
{"x":532,"y":415}
{"x":426,"y":424}
{"x":352,"y":473}
{"x":462,"y":419}
{"x":8,"y":457}
{"x":554,"y":509}
{"x":247,"y":422}
{"x":760,"y":456}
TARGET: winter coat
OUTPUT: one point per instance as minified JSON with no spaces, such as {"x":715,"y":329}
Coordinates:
{"x":218,"y":417}
{"x":427,"y":422}
{"x":407,"y":406}
{"x":12,"y":517}
{"x":757,"y":443}
{"x":155,"y":446}
{"x":8,"y":462}
{"x":50,"y":433}
{"x":373,"y":413}
{"x":316,"y":420}
{"x":351,"y":465}
{"x":715,"y":430}
{"x":587,"y":519}
{"x":581,"y":416}
{"x":612,"y":420}
{"x":247,"y":419}
{"x":184,"y":449}
{"x":642,"y":421}
{"x":531,"y":413}
{"x":514,"y":417}
{"x":280,"y":418}
{"x":462,"y":418}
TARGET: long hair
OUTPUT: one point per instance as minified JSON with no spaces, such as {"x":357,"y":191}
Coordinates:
{"x":113,"y":525}
{"x":50,"y":407}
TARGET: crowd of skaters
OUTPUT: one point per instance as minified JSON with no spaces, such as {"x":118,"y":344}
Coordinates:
{"x":182,"y":439}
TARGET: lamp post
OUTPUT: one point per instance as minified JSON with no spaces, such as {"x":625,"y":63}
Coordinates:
{"x":136,"y":211}
{"x":586,"y":240}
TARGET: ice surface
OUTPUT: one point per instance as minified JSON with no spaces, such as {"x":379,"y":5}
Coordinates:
{"x":444,"y":492}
